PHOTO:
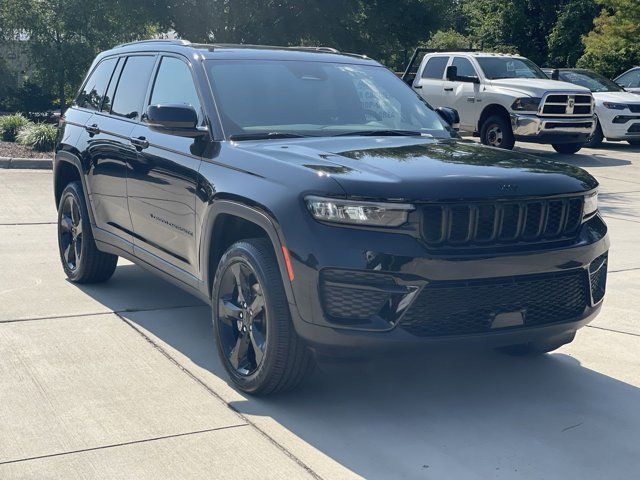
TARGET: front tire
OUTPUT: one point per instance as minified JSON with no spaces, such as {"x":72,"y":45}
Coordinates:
{"x":567,"y":148}
{"x":81,"y":259}
{"x":534,"y":349}
{"x":595,"y":140}
{"x":256,"y":340}
{"x":496,"y":132}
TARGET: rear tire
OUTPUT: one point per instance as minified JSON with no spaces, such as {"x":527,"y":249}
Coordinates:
{"x":81,"y":259}
{"x":496,"y":132}
{"x":567,"y":148}
{"x":596,"y":139}
{"x":273,"y":357}
{"x":534,"y":349}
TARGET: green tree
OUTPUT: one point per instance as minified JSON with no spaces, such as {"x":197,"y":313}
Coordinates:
{"x":565,"y":40}
{"x":449,"y":40}
{"x":614,"y":44}
{"x":65,"y":35}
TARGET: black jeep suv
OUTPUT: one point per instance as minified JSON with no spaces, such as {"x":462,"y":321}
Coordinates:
{"x":320,"y":207}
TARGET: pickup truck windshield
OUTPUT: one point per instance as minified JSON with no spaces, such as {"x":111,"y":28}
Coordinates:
{"x":495,"y":68}
{"x":592,"y":80}
{"x":277,"y":99}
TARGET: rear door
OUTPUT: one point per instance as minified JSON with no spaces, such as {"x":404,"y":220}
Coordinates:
{"x":429,"y":82}
{"x":104,"y":151}
{"x":163,"y":176}
{"x":464,"y":96}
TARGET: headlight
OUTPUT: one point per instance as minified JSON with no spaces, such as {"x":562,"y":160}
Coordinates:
{"x":590,"y":204}
{"x":526,"y":104}
{"x":358,"y":213}
{"x":615,"y":106}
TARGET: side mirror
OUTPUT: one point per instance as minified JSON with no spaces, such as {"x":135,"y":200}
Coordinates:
{"x":452,"y":73}
{"x":555,"y":74}
{"x":180,"y":120}
{"x":450,"y":116}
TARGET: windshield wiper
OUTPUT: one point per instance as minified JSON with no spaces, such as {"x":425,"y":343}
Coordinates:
{"x":265,"y":136}
{"x":382,"y":133}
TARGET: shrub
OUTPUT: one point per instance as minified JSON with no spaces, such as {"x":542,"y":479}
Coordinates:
{"x":39,"y":136}
{"x":10,"y":125}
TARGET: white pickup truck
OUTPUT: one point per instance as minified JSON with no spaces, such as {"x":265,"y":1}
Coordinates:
{"x":505,"y":98}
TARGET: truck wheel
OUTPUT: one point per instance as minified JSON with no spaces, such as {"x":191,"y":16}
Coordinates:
{"x":567,"y":148}
{"x":256,"y":340}
{"x":496,"y":132}
{"x":595,"y":140}
{"x":81,"y":260}
{"x":533,"y":349}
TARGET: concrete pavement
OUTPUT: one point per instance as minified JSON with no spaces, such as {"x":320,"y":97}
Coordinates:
{"x":122,"y":380}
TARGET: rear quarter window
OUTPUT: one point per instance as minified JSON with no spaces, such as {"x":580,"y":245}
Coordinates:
{"x":435,"y":68}
{"x":93,"y":91}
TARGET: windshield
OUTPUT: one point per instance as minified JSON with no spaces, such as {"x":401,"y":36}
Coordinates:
{"x":592,"y":80}
{"x":506,"y":67}
{"x":285,"y":98}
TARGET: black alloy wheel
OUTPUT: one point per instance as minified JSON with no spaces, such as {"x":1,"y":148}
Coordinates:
{"x":71,"y":232}
{"x":255,"y":337}
{"x":80,"y":257}
{"x":242,"y":318}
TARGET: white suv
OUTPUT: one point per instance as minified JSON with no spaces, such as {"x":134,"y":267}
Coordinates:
{"x":504,"y":98}
{"x":618,"y":111}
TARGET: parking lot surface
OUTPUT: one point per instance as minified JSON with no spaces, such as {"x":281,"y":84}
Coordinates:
{"x":122,"y":380}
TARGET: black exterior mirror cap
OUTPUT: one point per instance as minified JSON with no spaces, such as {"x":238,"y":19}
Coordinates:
{"x":450,"y":116}
{"x":452,"y":75}
{"x":180,"y":120}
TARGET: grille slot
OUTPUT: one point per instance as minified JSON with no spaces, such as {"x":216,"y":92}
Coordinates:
{"x":505,"y":223}
{"x":468,"y":307}
{"x":634,"y":107}
{"x":598,"y":277}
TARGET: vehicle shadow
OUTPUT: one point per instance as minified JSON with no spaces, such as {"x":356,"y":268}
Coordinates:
{"x":440,"y":414}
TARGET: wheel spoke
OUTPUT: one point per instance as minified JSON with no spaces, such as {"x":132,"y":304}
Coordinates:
{"x":79,"y":228}
{"x":67,"y":253}
{"x":77,"y":249}
{"x":257,"y":347}
{"x":241,"y":281}
{"x":228,"y":311}
{"x":75,"y":212}
{"x":238,"y":356}
{"x":65,"y":223}
{"x":257,"y":305}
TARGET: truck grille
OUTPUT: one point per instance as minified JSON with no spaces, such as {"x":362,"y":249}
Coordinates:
{"x":468,"y":307}
{"x":567,"y":105}
{"x":505,"y":223}
{"x":634,"y":107}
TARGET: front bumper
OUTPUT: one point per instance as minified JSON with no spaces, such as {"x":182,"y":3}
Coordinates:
{"x":619,"y":124}
{"x":411,"y":265}
{"x":535,"y":129}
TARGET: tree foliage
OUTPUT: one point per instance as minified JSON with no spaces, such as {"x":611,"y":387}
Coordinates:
{"x":575,"y":20}
{"x":614,"y":44}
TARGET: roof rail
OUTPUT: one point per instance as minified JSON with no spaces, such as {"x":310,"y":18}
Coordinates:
{"x":172,"y":41}
{"x":317,"y":49}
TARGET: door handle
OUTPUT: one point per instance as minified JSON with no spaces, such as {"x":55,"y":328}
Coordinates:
{"x":448,"y":89}
{"x":92,"y":129}
{"x":140,"y":143}
{"x":418,"y":87}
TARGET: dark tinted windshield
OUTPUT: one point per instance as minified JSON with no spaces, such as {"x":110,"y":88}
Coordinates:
{"x":315,"y":98}
{"x":495,"y":68}
{"x":592,"y":80}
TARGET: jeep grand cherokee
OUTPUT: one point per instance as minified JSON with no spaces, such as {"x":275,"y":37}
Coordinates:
{"x":320,"y":207}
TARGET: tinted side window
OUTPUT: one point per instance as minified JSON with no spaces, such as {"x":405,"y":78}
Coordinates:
{"x":435,"y":67}
{"x":174,"y":84}
{"x":91,"y":94}
{"x":106,"y":103}
{"x":465,"y":69}
{"x":631,"y":79}
{"x":132,"y":87}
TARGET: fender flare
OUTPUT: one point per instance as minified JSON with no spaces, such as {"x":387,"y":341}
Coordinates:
{"x":63,"y":156}
{"x":252,"y":214}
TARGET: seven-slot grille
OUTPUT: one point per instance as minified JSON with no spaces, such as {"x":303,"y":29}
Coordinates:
{"x":504,"y":223}
{"x":634,"y":107}
{"x":567,"y":105}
